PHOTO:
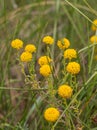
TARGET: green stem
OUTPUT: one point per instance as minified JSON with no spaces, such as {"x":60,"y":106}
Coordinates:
{"x":92,"y":55}
{"x":79,"y":11}
{"x":91,"y":59}
{"x":34,"y":106}
{"x":91,"y":78}
{"x":22,"y":89}
{"x":57,"y":2}
{"x":87,"y":47}
{"x":51,"y":89}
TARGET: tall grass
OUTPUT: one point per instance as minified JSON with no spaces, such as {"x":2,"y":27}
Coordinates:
{"x":21,"y":107}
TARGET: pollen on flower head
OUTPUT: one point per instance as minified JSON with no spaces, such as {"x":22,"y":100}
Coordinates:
{"x":17,"y":44}
{"x":48,"y":40}
{"x":70,"y":53}
{"x":45,"y":70}
{"x":43,"y":60}
{"x":63,"y":44}
{"x":65,"y":91}
{"x":26,"y":56}
{"x":94,"y":25}
{"x":73,"y":67}
{"x":93,"y":39}
{"x":51,"y":114}
{"x":30,"y":48}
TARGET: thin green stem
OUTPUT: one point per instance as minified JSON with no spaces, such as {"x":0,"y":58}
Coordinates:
{"x":38,"y":101}
{"x":91,"y":59}
{"x":79,"y":11}
{"x":87,"y":47}
{"x":22,"y":89}
{"x":84,"y":124}
{"x":57,"y":4}
{"x":92,"y":55}
{"x":91,"y":78}
{"x":90,"y":8}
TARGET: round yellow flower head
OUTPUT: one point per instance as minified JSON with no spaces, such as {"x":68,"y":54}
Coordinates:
{"x":73,"y":67}
{"x":26,"y":56}
{"x":45,"y":70}
{"x":48,"y":40}
{"x":63,"y":44}
{"x":30,"y":48}
{"x":65,"y":91}
{"x":43,"y":60}
{"x":93,"y":39}
{"x":51,"y":114}
{"x":70,"y":53}
{"x":17,"y":44}
{"x":93,"y":27}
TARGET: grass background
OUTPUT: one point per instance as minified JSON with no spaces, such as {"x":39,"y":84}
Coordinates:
{"x":30,"y":21}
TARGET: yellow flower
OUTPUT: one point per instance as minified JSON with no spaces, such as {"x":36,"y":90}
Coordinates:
{"x":73,"y":68}
{"x":17,"y":44}
{"x":65,"y":91}
{"x":45,"y":70}
{"x":26,"y":56}
{"x":51,"y":114}
{"x":93,"y":27}
{"x":30,"y":48}
{"x":63,"y":44}
{"x":43,"y":60}
{"x":48,"y":40}
{"x":70,"y":53}
{"x":93,"y":39}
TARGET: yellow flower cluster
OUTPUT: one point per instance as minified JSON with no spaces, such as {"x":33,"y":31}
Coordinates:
{"x":30,"y":48}
{"x":48,"y":40}
{"x":51,"y":114}
{"x":73,"y":67}
{"x":26,"y":56}
{"x":17,"y":44}
{"x":94,"y":25}
{"x":65,"y":91}
{"x":70,"y":53}
{"x":63,"y":44}
{"x":43,"y":60}
{"x":45,"y":70}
